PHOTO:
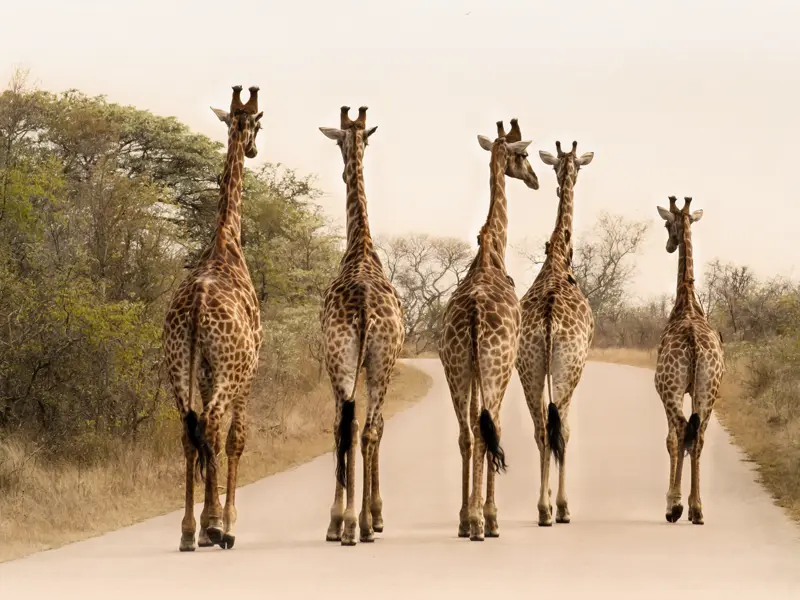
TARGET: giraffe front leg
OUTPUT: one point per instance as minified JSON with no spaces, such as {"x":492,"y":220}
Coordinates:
{"x":188,"y":525}
{"x":234,"y":447}
{"x":376,"y":503}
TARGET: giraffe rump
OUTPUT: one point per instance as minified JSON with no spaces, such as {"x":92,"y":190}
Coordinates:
{"x":344,"y":432}
{"x":555,"y":432}
{"x":488,"y":429}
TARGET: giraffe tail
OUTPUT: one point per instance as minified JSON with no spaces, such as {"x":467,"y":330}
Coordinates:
{"x":487,"y":427}
{"x":195,"y":429}
{"x":555,"y":432}
{"x":344,"y":432}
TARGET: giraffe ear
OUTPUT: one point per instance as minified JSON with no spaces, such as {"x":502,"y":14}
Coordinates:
{"x":332,"y":133}
{"x":585,"y":159}
{"x":665,"y":214}
{"x":548,"y":158}
{"x":485,"y":143}
{"x":371,"y":130}
{"x":696,"y":216}
{"x":518,"y":147}
{"x":222,"y":115}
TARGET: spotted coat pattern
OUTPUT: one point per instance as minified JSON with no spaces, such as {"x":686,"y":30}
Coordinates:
{"x":690,"y":361}
{"x":478,"y":344}
{"x":362,"y":325}
{"x":557,"y":330}
{"x":212,"y":335}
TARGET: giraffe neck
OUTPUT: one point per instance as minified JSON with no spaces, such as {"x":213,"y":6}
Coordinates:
{"x":685,"y":298}
{"x":496,"y":226}
{"x":561,"y":239}
{"x":359,"y":240}
{"x":229,"y":217}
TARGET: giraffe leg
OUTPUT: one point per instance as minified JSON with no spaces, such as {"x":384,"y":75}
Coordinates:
{"x":334,"y":533}
{"x":695,"y":504}
{"x":674,"y":508}
{"x":349,"y":534}
{"x":234,"y":446}
{"x":532,"y":376}
{"x":376,"y":503}
{"x":378,"y":374}
{"x":204,"y":383}
{"x":188,"y":525}
{"x":476,"y":519}
{"x":368,"y":439}
{"x":465,"y":403}
{"x":465,"y":445}
{"x":491,"y":527}
{"x":562,"y":504}
{"x":212,"y":506}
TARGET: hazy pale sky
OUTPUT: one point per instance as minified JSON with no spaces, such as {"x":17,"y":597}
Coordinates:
{"x":683,"y":97}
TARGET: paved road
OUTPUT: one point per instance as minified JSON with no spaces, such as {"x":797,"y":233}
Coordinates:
{"x":617,"y":546}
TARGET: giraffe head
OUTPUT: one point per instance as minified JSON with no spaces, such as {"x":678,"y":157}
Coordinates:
{"x":566,"y":164}
{"x":515,"y":152}
{"x":678,"y":221}
{"x":243,"y":119}
{"x":351,"y":135}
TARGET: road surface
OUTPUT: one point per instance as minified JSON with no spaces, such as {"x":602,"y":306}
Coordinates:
{"x":617,"y":546}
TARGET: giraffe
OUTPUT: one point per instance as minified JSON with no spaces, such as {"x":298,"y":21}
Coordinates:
{"x":362,"y":325}
{"x":212,"y":334}
{"x":557,"y":330}
{"x":690,"y":360}
{"x":479,"y":338}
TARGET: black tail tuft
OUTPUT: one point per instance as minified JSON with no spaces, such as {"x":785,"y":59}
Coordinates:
{"x":489,"y":434}
{"x":555,"y":436}
{"x":344,"y":439}
{"x":195,"y":431}
{"x":691,"y":432}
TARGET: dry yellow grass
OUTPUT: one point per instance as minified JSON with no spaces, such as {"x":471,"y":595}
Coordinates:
{"x":624,"y":356}
{"x":43,"y":505}
{"x":772,"y":443}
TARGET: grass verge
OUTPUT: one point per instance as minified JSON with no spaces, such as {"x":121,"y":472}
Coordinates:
{"x":45,"y":505}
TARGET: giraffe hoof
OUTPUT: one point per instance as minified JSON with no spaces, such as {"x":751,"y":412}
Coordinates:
{"x":227,"y":541}
{"x":346,"y":542}
{"x":492,"y":534}
{"x":215,"y":535}
{"x":367,"y":539}
{"x":205,"y":543}
{"x":187,"y":543}
{"x":377,"y":528}
{"x":563,"y":520}
{"x":333,"y":537}
{"x":476,"y":538}
{"x":696,"y":516}
{"x":463,"y":533}
{"x":675,"y":514}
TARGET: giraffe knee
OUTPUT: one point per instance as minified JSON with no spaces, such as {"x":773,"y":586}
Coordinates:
{"x":234,"y":445}
{"x":465,"y":442}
